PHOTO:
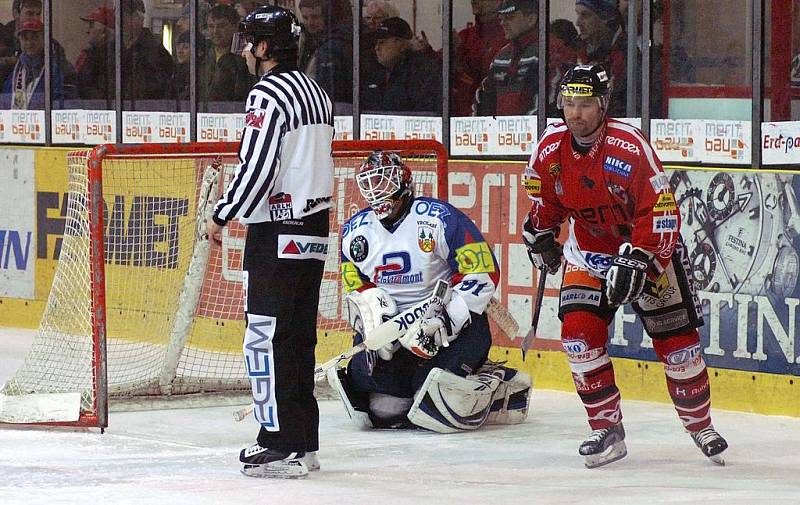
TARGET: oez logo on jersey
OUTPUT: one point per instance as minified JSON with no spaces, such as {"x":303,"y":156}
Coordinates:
{"x":355,"y":222}
{"x":431,"y":208}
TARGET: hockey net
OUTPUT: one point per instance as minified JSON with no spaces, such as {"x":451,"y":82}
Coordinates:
{"x":142,"y":303}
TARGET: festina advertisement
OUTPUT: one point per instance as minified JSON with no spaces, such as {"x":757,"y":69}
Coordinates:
{"x":742,"y":231}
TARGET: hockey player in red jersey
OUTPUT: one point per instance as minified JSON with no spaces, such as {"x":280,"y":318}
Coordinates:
{"x":624,"y":246}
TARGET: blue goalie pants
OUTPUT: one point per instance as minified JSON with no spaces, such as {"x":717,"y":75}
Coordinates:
{"x":283,"y":266}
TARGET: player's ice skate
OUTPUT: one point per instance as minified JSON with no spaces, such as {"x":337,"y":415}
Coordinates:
{"x":604,"y":446}
{"x":710,"y":443}
{"x":312,"y":461}
{"x":263,"y":462}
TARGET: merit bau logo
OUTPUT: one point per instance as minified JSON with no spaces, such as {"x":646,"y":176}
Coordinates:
{"x":302,"y":247}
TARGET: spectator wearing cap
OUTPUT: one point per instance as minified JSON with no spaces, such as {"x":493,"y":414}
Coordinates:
{"x":31,"y":10}
{"x":24,"y":87}
{"x":601,"y":29}
{"x":147,"y":67}
{"x":510,"y":88}
{"x":95,"y":64}
{"x":412,"y":79}
{"x":372,"y":74}
{"x":24,"y":10}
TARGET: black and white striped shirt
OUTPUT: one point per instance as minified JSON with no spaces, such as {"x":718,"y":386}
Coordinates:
{"x":285,"y":165}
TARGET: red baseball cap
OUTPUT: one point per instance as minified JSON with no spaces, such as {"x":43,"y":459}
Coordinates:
{"x":103,"y":14}
{"x":32,"y":25}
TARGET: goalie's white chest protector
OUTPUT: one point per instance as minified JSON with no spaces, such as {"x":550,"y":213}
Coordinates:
{"x":434,"y":241}
{"x":406,"y":261}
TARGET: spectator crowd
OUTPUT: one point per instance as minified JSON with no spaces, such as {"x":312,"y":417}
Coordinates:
{"x":494,"y":61}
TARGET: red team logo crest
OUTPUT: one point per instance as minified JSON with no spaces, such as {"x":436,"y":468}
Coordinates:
{"x":254,"y":119}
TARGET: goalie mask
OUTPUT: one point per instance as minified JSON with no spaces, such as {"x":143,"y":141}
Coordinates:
{"x":585,"y":81}
{"x":385,"y":183}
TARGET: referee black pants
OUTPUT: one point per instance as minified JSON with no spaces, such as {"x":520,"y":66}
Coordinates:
{"x":283,"y":266}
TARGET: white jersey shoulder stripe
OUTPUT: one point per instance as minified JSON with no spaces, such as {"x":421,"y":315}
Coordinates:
{"x":645,"y":145}
{"x":551,"y":130}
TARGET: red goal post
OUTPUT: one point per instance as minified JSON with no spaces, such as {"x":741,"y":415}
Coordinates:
{"x":141,"y":302}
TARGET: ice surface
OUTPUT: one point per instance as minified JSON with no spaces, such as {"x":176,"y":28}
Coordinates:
{"x":189,"y":456}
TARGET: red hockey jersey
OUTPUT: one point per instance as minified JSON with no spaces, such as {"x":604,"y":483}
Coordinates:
{"x":617,"y":192}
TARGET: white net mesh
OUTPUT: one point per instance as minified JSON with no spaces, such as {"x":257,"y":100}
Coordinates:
{"x":159,"y":279}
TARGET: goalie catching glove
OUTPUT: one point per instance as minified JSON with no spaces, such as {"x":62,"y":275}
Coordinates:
{"x":543,"y":250}
{"x":625,"y":279}
{"x":440,"y":325}
{"x":368,"y":309}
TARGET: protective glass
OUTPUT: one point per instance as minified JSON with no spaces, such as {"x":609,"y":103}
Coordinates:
{"x":240,"y":41}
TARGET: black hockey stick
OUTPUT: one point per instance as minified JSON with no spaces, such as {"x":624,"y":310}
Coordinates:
{"x":537,"y":311}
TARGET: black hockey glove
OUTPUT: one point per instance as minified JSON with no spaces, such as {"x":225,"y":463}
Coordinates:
{"x":626,"y":278}
{"x":543,"y":250}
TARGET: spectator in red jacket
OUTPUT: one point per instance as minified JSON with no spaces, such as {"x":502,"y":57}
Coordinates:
{"x":511,"y":86}
{"x":475,"y":48}
{"x":95,"y":64}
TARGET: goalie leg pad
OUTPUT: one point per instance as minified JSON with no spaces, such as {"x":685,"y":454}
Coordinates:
{"x":511,"y":399}
{"x":337,"y":378}
{"x":448,"y":403}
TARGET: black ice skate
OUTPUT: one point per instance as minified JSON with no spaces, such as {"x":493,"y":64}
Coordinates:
{"x":262,"y":462}
{"x":711,"y":443}
{"x":604,"y":446}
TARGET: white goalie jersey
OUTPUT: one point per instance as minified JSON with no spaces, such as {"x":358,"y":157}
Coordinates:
{"x":434,"y":241}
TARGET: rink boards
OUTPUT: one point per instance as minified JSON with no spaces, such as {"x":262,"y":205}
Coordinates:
{"x":744,"y":252}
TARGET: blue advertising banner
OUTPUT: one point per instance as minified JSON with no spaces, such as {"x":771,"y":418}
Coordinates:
{"x":742,"y":232}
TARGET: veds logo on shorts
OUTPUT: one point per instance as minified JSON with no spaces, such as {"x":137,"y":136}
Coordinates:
{"x":302,"y":247}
